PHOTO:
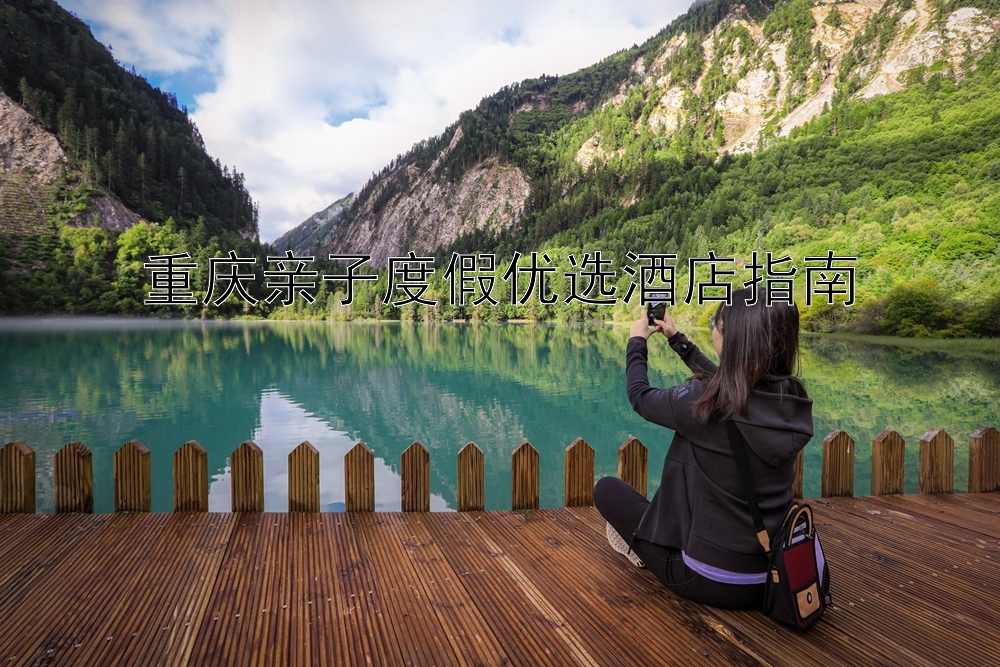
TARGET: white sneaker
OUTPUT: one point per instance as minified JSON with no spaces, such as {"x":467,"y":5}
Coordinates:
{"x":621,"y":546}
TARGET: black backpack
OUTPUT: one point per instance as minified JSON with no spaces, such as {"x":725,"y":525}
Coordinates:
{"x":797,"y":589}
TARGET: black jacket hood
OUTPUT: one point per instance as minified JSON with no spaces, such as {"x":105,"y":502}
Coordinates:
{"x":777,"y":425}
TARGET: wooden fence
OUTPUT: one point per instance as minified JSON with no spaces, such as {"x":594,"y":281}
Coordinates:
{"x":74,"y":485}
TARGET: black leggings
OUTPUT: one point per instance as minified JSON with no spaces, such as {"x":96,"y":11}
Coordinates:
{"x":623,"y":507}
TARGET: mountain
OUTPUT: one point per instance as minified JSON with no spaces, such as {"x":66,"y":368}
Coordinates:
{"x":313,"y":234}
{"x":98,"y":172}
{"x":723,"y":83}
{"x":87,"y":138}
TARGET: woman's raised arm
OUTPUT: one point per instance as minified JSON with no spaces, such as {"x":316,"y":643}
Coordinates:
{"x":651,"y":403}
{"x":692,"y":357}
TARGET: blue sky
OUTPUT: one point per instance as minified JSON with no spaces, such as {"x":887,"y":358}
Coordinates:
{"x":309,"y":97}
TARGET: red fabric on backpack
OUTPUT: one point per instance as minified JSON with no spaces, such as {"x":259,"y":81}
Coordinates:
{"x":800,"y":562}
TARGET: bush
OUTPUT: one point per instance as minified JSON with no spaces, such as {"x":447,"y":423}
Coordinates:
{"x":919,"y":309}
{"x":972,"y":243}
{"x":985,"y":320}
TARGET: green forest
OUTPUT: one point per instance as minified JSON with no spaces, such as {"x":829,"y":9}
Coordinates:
{"x":908,"y":183}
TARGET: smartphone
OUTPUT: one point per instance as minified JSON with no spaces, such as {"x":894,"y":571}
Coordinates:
{"x":656,"y":308}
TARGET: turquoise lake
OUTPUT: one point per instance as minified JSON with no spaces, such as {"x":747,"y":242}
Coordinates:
{"x":105,"y":382}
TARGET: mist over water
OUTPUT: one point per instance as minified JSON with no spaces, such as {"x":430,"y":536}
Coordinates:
{"x":105,"y":382}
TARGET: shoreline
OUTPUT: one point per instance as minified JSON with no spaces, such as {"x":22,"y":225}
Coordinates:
{"x":986,"y":347}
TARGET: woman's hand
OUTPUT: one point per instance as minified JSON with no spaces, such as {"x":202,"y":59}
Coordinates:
{"x":641,"y":326}
{"x":667,"y":325}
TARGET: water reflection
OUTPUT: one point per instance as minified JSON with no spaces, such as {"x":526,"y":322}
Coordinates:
{"x":106,"y":382}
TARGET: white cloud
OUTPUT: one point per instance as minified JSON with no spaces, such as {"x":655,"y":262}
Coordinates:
{"x":161,"y":37}
{"x":311,"y":97}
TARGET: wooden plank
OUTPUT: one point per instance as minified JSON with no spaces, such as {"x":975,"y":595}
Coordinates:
{"x":224,"y":637}
{"x":984,"y":460}
{"x":268,"y":621}
{"x":518,"y":617}
{"x":541,"y":545}
{"x":914,"y":536}
{"x":579,"y":474}
{"x":633,"y":462}
{"x":991,"y":500}
{"x":800,"y":466}
{"x":17,"y":478}
{"x":944,"y":520}
{"x":755,"y":633}
{"x":400,"y":588}
{"x":888,"y":463}
{"x":318,"y":630}
{"x":372,"y":640}
{"x":32,"y":546}
{"x":891,"y":585}
{"x":877,"y":521}
{"x":359,"y":479}
{"x":155,"y":617}
{"x":471,"y":479}
{"x":534,"y":587}
{"x":444,"y":594}
{"x":303,"y":479}
{"x":74,"y":479}
{"x":132,"y":479}
{"x":13,"y":527}
{"x":952,"y":509}
{"x":191,"y":478}
{"x":524,"y":477}
{"x":415,"y":490}
{"x":65,"y":602}
{"x":838,"y":464}
{"x":246,"y":466}
{"x":937,"y":462}
{"x":189,"y":604}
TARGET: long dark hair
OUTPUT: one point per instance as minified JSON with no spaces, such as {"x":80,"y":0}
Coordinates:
{"x":761,"y":345}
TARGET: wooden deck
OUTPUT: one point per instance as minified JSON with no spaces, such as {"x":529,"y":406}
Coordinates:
{"x":916,"y":581}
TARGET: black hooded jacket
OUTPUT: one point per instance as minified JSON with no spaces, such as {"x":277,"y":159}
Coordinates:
{"x":700,"y":506}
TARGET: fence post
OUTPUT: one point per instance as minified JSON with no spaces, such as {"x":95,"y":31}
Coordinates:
{"x":17,"y":478}
{"x":303,"y":479}
{"x":633,"y":462}
{"x":800,"y":466}
{"x":471,"y":479}
{"x":191,"y":478}
{"x":74,"y":474}
{"x":359,"y":479}
{"x":888,"y":463}
{"x":984,"y":460}
{"x":246,"y":466}
{"x":838,"y":464}
{"x":524,"y":477}
{"x":579,"y":474}
{"x":416,"y":479}
{"x":937,"y":462}
{"x":131,"y":466}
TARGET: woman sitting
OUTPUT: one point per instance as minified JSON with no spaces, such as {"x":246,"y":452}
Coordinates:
{"x":697,"y":534}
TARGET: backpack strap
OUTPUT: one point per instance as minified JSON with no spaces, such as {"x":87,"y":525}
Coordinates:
{"x":743,"y":465}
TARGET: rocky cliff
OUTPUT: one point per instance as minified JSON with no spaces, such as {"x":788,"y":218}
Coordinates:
{"x":428,"y":211}
{"x":31,"y":161}
{"x":764,"y":78}
{"x":315,"y":233}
